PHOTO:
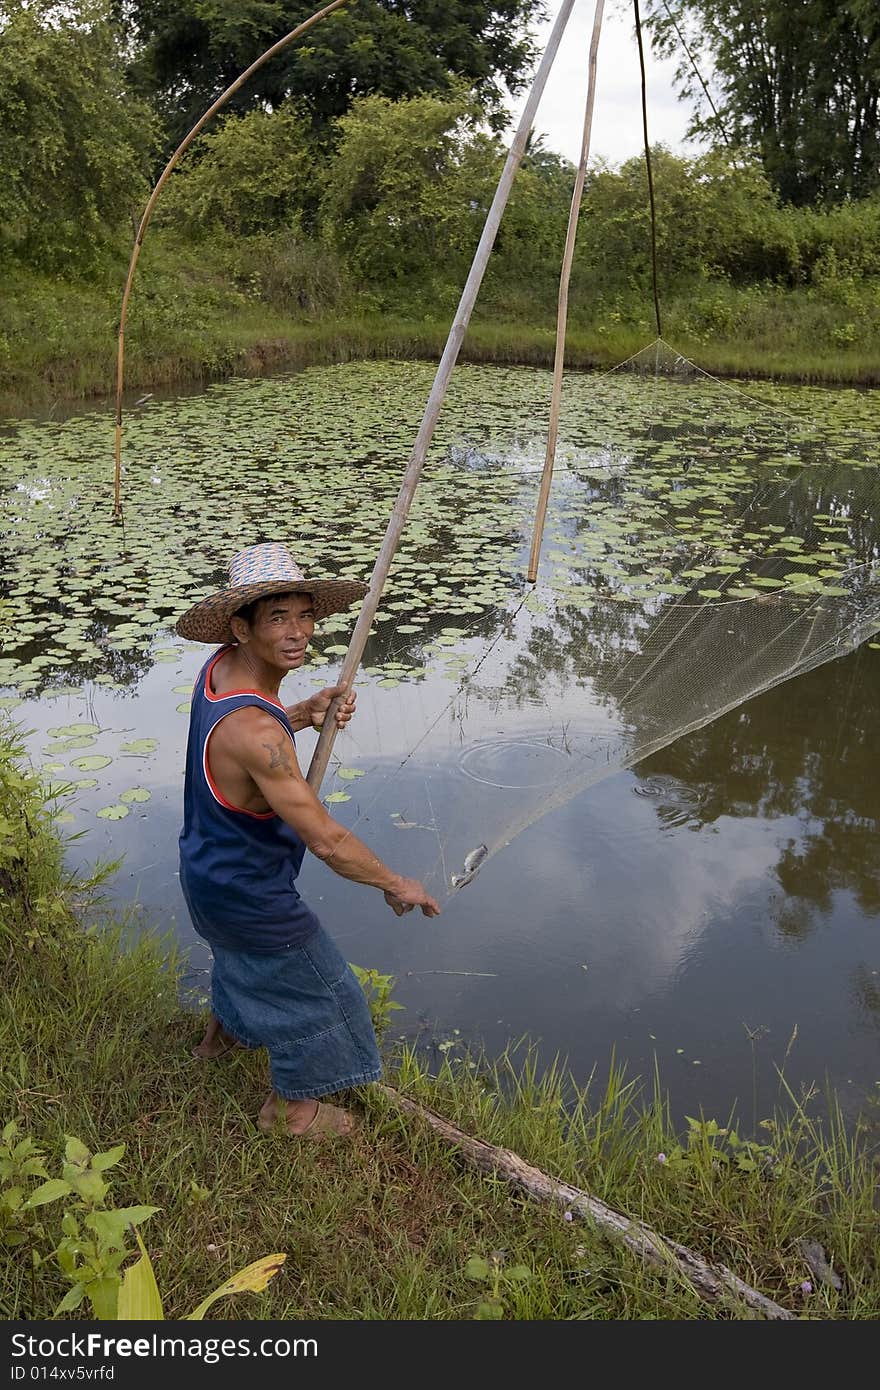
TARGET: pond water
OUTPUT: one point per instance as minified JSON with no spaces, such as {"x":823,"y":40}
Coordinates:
{"x":681,"y":862}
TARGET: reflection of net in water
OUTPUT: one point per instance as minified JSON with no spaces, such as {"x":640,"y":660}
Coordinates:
{"x":701,"y":549}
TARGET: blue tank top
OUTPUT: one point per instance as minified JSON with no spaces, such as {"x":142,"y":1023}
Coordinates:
{"x":237,"y":868}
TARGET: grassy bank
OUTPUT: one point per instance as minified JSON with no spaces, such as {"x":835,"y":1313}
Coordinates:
{"x":200,"y":313}
{"x":95,"y":1042}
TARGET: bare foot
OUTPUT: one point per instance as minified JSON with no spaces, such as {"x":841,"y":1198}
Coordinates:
{"x":309,"y":1118}
{"x":216,"y":1041}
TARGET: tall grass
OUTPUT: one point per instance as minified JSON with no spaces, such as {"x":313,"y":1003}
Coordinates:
{"x":270,"y":302}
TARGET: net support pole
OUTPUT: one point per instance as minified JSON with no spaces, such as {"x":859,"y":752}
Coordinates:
{"x":148,"y":212}
{"x":321,"y":755}
{"x":562,"y":309}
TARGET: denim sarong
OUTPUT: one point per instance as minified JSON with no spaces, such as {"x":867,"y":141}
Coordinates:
{"x":305,"y":1006}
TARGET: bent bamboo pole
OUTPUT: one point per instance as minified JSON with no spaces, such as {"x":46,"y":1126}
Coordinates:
{"x":148,"y":212}
{"x":713,"y":1283}
{"x":321,"y":755}
{"x":562,"y":309}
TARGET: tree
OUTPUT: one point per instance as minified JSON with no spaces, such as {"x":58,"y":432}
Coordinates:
{"x":186,"y":53}
{"x":407,"y":189}
{"x":75,"y":144}
{"x":796,"y":80}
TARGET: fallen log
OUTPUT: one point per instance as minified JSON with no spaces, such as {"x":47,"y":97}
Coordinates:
{"x":712,"y":1283}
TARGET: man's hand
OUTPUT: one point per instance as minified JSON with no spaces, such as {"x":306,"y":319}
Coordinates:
{"x":408,"y":894}
{"x":318,"y":705}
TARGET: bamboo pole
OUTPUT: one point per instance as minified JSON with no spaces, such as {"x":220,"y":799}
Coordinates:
{"x":712,"y":1283}
{"x":321,"y":755}
{"x":148,"y":212}
{"x":562,"y":307}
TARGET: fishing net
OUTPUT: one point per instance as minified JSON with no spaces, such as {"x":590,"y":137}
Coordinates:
{"x":701,"y":547}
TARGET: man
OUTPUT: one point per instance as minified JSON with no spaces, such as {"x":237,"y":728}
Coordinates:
{"x":249,"y":816}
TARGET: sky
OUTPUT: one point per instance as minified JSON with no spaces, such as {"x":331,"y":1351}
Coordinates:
{"x":617,"y":114}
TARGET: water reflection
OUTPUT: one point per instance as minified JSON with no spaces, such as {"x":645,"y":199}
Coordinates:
{"x":803,"y":753}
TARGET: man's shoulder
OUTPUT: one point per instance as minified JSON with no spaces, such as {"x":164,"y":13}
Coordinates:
{"x":247,"y":724}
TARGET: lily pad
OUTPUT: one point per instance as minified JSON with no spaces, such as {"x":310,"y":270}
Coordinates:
{"x":135,"y":794}
{"x":116,"y":812}
{"x":93,"y":763}
{"x":139,"y":747}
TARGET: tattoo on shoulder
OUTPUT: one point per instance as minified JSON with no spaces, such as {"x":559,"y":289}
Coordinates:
{"x":279,"y":755}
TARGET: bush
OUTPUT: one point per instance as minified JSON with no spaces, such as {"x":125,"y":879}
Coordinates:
{"x":255,"y":173}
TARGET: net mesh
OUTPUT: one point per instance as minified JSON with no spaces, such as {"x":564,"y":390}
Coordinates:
{"x":701,"y":546}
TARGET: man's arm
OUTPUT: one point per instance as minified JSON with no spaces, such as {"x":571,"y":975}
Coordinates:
{"x":259,"y":744}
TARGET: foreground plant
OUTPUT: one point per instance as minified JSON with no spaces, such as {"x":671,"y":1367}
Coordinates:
{"x":498,"y":1278}
{"x":95,"y":1237}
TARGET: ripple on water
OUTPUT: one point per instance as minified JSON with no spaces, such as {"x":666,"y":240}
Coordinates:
{"x":676,"y":802}
{"x":514,"y":764}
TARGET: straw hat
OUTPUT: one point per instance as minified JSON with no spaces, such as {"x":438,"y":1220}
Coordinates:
{"x":255,"y":573}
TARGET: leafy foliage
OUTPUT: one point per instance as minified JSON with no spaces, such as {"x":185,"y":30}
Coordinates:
{"x":253,"y":173}
{"x":75,"y":146}
{"x":94,"y":1236}
{"x":377,"y":988}
{"x":498,"y":1278}
{"x":407,"y":190}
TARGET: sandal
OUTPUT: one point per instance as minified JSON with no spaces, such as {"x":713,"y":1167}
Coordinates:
{"x":327,"y":1119}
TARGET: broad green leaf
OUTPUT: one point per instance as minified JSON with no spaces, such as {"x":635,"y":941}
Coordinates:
{"x":49,"y":1191}
{"x":112,"y":1225}
{"x":90,"y":1186}
{"x":477,"y":1268}
{"x":75,"y":1151}
{"x":72,"y":1299}
{"x":109,"y":1158}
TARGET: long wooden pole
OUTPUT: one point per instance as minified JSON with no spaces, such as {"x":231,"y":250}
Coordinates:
{"x":148,"y":212}
{"x":321,"y":755}
{"x":562,"y":309}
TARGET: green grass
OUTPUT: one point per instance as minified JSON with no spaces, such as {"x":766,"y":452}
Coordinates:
{"x":95,"y":1039}
{"x":200,"y":312}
